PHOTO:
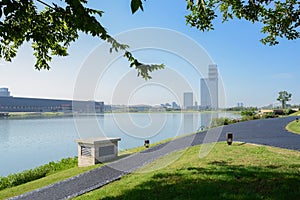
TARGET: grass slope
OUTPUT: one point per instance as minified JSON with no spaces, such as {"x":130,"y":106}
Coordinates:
{"x":294,"y":127}
{"x":240,"y":171}
{"x":295,"y":114}
{"x":53,"y":178}
{"x":57,"y":176}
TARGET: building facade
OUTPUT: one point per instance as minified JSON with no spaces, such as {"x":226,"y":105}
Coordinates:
{"x":188,"y":100}
{"x":4,"y":92}
{"x":20,"y":104}
{"x":175,"y":105}
{"x":209,"y":89}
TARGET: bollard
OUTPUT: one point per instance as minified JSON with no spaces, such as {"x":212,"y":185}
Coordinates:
{"x":229,"y":138}
{"x":147,"y":143}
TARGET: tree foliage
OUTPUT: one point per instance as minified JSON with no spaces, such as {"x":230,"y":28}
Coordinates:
{"x":283,"y":97}
{"x":52,"y":29}
{"x":280,"y":18}
{"x":251,"y":111}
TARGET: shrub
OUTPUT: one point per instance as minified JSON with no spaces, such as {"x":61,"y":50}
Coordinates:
{"x":252,"y":117}
{"x":289,"y":111}
{"x":36,"y":173}
{"x":249,"y":112}
{"x":222,"y":121}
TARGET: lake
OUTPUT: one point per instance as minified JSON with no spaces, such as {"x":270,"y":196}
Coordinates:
{"x":28,"y":143}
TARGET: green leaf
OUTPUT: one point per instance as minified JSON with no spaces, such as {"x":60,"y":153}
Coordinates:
{"x":135,"y":5}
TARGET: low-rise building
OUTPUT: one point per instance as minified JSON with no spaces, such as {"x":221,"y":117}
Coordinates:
{"x":21,"y":104}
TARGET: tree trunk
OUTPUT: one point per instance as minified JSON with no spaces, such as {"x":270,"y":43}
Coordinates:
{"x":283,"y":104}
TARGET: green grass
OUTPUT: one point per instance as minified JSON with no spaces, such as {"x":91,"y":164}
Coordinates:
{"x":57,"y":175}
{"x":295,"y":114}
{"x":37,"y":173}
{"x":53,"y":178}
{"x":239,"y":171}
{"x":25,"y":115}
{"x":294,"y":127}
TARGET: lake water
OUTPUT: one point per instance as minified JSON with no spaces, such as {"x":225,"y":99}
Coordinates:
{"x":27,"y":143}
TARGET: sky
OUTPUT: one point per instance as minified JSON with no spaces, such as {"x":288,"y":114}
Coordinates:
{"x":250,"y":72}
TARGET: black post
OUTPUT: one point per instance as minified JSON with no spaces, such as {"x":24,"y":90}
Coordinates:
{"x":147,"y":143}
{"x":229,"y":138}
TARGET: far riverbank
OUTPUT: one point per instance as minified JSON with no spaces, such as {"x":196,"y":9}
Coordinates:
{"x":23,"y":115}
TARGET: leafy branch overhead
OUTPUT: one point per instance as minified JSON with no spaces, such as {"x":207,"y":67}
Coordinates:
{"x":143,"y":69}
{"x":135,"y":5}
{"x":51,"y":30}
{"x":280,"y":18}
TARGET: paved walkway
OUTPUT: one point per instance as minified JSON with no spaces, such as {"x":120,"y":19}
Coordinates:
{"x":267,"y":132}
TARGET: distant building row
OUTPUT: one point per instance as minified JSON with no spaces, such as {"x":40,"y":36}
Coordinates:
{"x":19,"y":104}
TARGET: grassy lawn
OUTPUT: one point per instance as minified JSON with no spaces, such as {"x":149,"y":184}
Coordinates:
{"x":240,"y":171}
{"x":53,"y":178}
{"x":61,"y":175}
{"x":294,"y":127}
{"x":295,"y":114}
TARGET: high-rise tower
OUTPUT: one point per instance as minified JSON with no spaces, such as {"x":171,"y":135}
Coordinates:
{"x":188,"y":100}
{"x":209,"y":89}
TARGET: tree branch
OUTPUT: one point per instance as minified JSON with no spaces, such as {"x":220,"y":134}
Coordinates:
{"x":45,"y":4}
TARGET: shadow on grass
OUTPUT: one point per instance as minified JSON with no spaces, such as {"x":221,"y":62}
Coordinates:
{"x":220,"y":181}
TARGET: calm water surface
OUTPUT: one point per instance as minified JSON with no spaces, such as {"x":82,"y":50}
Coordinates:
{"x":27,"y":143}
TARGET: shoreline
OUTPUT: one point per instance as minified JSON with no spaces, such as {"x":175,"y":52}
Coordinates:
{"x":238,"y":144}
{"x":59,"y":120}
{"x":25,"y":115}
{"x":193,"y":133}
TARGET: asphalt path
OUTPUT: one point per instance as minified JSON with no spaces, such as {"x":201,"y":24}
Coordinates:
{"x":270,"y":132}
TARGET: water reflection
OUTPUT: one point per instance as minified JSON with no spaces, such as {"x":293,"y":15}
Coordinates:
{"x":4,"y":132}
{"x":206,"y":119}
{"x":190,"y":122}
{"x":89,"y":126}
{"x":35,"y":142}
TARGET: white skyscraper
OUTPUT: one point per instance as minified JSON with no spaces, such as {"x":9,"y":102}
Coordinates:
{"x":188,"y":100}
{"x":209,"y":89}
{"x":205,"y":95}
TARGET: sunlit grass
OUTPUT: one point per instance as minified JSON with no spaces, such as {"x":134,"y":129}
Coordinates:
{"x":62,"y":175}
{"x":295,"y":114}
{"x":294,"y":127}
{"x":239,"y":171}
{"x":53,"y":178}
{"x":22,"y":115}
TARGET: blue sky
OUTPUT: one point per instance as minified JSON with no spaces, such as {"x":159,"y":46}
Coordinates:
{"x":252,"y":73}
